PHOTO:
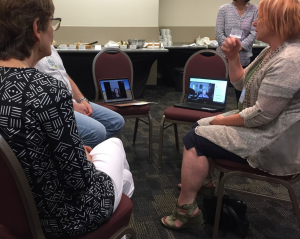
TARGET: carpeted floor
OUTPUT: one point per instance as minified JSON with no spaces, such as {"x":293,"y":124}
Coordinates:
{"x":156,"y":192}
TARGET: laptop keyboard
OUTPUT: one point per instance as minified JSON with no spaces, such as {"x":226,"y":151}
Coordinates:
{"x":201,"y":105}
{"x":122,"y":102}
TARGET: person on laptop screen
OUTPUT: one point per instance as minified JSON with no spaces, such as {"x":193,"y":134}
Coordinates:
{"x":203,"y":95}
{"x":116,"y":94}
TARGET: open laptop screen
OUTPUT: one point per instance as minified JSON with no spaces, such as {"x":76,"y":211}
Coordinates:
{"x":114,"y":90}
{"x":207,"y":90}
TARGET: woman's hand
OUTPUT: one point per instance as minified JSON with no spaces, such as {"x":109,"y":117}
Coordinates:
{"x":88,"y":107}
{"x":88,"y":149}
{"x":217,"y":120}
{"x":231,"y":47}
{"x":84,"y":108}
{"x":81,"y":108}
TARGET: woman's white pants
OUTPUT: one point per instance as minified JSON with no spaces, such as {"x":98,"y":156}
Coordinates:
{"x":110,"y":158}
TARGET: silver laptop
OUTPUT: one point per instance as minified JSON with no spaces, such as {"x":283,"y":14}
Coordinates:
{"x":206,"y":94}
{"x":118,"y":92}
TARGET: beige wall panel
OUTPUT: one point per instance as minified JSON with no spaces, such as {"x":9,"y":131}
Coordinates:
{"x":67,"y":35}
{"x":189,"y":34}
{"x":190,"y":12}
{"x":108,"y":13}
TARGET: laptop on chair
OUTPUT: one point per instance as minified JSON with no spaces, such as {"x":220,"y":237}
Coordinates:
{"x":118,"y":92}
{"x":206,"y":94}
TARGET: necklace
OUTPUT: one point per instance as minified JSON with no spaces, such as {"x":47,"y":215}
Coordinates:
{"x":26,"y":64}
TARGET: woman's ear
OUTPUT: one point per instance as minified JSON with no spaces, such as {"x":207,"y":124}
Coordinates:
{"x":36,"y":30}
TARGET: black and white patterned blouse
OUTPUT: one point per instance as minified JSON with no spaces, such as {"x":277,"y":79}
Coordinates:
{"x":228,"y":19}
{"x":37,"y":121}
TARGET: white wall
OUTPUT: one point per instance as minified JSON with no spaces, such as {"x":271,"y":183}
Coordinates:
{"x":200,"y":13}
{"x":108,"y":13}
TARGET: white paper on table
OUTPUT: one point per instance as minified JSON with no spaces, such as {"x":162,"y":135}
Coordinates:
{"x":190,"y":45}
{"x":97,"y":47}
{"x":214,"y":42}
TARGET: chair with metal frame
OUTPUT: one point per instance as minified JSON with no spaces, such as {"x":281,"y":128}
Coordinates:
{"x":112,"y":63}
{"x":202,"y":63}
{"x":18,"y":213}
{"x":229,"y":169}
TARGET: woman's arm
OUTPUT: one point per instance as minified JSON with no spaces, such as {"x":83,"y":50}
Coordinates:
{"x":231,"y":120}
{"x":278,"y":87}
{"x":231,"y":48}
{"x":59,"y":125}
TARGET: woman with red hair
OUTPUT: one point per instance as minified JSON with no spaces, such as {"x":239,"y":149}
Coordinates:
{"x":265,"y":131}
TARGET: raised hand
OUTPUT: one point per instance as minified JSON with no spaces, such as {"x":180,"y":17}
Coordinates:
{"x":231,"y":47}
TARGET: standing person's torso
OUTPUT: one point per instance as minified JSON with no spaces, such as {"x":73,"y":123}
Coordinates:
{"x":232,"y":20}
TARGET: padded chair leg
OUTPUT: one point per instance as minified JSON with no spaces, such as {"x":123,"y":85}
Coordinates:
{"x":122,"y":232}
{"x":161,"y":139}
{"x":219,"y":204}
{"x":135,"y":129}
{"x":294,"y":201}
{"x":221,"y":176}
{"x":176,"y":136}
{"x":150,"y":136}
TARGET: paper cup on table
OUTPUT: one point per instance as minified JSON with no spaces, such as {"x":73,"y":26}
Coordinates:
{"x":162,"y":32}
{"x":170,"y":43}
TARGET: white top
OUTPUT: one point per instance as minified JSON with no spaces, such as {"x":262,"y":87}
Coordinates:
{"x":53,"y":66}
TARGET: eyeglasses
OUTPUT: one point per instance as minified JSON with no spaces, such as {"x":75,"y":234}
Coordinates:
{"x":55,"y":22}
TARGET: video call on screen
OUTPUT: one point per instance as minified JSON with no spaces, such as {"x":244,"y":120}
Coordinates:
{"x":110,"y":92}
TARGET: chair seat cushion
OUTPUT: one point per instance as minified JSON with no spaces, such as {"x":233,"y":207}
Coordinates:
{"x":128,"y":110}
{"x":6,"y":233}
{"x":120,"y":218}
{"x":181,"y":114}
{"x":234,"y":166}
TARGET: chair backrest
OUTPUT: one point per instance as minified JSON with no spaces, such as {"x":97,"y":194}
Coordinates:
{"x":111,"y":63}
{"x":18,"y":213}
{"x":204,"y":63}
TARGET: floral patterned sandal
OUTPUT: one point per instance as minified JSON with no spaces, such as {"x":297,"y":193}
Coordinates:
{"x":208,"y":191}
{"x":186,"y":219}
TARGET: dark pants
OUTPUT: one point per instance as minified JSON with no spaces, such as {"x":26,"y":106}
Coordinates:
{"x":204,"y":147}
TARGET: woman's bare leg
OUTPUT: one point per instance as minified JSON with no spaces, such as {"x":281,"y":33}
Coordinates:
{"x":193,"y":173}
{"x":209,"y":175}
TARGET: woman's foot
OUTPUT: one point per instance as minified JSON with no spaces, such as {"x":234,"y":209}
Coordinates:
{"x":184,"y":216}
{"x":208,"y":187}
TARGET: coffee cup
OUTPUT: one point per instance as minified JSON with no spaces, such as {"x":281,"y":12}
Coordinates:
{"x":169,"y":37}
{"x":167,"y":31}
{"x":162,"y":32}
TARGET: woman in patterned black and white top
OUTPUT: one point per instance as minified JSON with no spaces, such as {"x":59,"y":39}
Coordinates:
{"x":236,"y":18}
{"x":73,"y":195}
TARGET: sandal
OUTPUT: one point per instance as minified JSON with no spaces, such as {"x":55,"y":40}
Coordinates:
{"x":186,"y":219}
{"x":208,"y":191}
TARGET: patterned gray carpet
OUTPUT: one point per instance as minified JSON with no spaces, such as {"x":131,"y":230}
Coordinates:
{"x":156,"y":191}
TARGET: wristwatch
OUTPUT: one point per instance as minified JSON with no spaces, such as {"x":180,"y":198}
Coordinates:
{"x":83,"y":98}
